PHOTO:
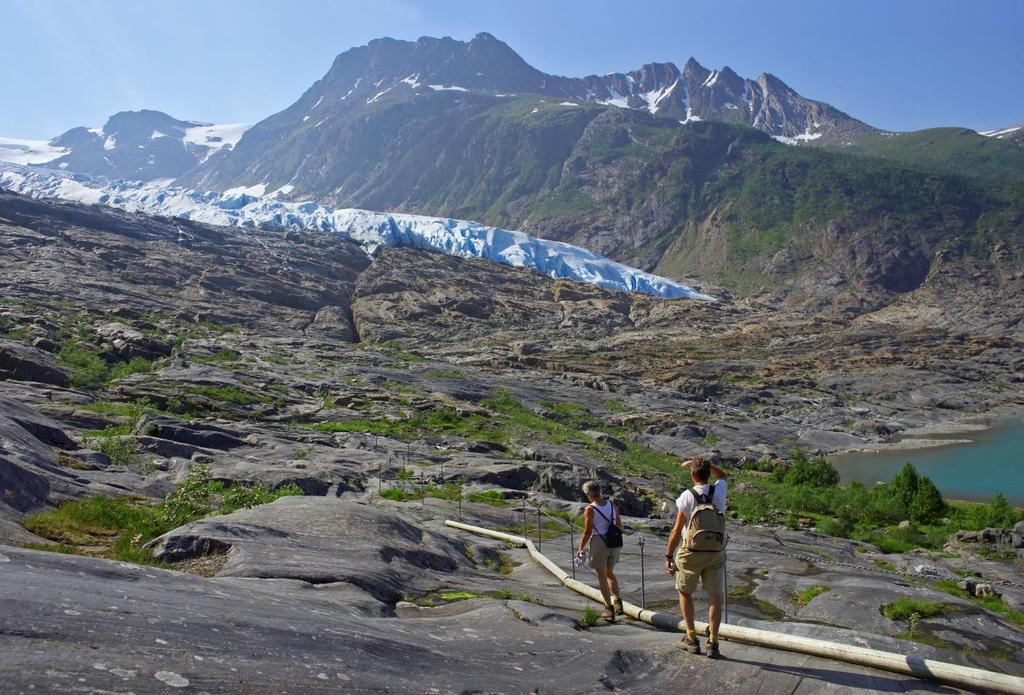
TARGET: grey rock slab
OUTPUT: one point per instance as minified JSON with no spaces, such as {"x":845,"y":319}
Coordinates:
{"x":18,"y":361}
{"x":70,"y":622}
{"x":320,"y":540}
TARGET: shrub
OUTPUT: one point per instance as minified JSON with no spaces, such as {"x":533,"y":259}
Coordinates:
{"x":244,"y":496}
{"x":123,"y":451}
{"x":395,"y":494}
{"x":589,"y":618}
{"x":812,"y":473}
{"x":190,"y":499}
{"x":85,"y":368}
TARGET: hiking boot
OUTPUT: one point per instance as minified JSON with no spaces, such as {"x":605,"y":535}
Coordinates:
{"x":713,"y":652}
{"x":691,"y":645}
{"x":608,"y":614}
{"x":618,"y":607}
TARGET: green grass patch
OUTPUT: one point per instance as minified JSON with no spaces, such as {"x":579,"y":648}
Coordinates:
{"x":495,"y":498}
{"x":222,"y":357}
{"x":905,"y":607}
{"x":395,"y":494}
{"x":768,"y":609}
{"x":802,"y":598}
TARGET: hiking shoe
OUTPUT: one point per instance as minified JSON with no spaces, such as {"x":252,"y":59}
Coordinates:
{"x":618,"y":607}
{"x":690,"y":645}
{"x":608,"y":614}
{"x":713,"y":652}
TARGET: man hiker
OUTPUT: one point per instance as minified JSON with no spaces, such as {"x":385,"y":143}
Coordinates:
{"x":602,"y":527}
{"x":699,"y":534}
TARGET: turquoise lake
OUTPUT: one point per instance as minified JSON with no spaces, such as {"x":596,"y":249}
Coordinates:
{"x":993,"y":462}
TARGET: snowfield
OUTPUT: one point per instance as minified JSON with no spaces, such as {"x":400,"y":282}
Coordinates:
{"x":372,"y":230}
{"x":18,"y":151}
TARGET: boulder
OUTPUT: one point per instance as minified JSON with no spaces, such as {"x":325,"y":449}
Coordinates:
{"x":197,"y":435}
{"x":605,"y":438}
{"x":128,"y":342}
{"x":25,"y":363}
{"x":984,"y":590}
{"x":322,"y":540}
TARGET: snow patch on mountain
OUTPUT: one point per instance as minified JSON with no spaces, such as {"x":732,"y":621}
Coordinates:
{"x":796,"y":140}
{"x":216,"y":136}
{"x":1002,"y":133}
{"x":241,"y":208}
{"x":18,"y":151}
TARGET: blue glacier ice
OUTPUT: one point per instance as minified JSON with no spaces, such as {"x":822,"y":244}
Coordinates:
{"x":250,"y":208}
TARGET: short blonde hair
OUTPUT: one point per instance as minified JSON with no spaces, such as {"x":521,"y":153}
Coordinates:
{"x":592,"y":488}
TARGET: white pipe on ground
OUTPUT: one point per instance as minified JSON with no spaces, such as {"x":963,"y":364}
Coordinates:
{"x":952,"y":674}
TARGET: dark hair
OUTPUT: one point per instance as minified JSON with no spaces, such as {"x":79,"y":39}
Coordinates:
{"x":701,"y":469}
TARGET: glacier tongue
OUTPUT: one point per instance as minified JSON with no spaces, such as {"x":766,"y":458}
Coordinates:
{"x":370,"y":229}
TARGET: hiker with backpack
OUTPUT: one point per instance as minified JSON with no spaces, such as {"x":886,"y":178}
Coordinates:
{"x":699,"y":535}
{"x":602,"y":528}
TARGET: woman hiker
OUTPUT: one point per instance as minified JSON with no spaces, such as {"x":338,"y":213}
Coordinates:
{"x":602,"y":527}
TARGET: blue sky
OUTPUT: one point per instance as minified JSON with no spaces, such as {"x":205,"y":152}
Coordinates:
{"x":896,"y":64}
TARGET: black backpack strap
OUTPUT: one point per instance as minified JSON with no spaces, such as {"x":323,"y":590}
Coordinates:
{"x":603,"y":514}
{"x":703,"y":498}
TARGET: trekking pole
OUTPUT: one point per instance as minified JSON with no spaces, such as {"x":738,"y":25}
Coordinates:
{"x":572,"y":548}
{"x":641,"y":541}
{"x":725,"y":572}
{"x":526,"y":521}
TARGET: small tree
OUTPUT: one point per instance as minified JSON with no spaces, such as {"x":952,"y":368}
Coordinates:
{"x":928,"y":504}
{"x":813,"y":473}
{"x":1000,"y":513}
{"x":904,"y":486}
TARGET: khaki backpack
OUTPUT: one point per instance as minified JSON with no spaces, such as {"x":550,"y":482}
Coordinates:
{"x":706,"y":528}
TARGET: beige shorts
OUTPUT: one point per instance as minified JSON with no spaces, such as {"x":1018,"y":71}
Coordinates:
{"x":601,"y":556}
{"x":708,"y":567}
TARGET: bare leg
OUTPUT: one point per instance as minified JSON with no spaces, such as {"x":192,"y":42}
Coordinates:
{"x":714,"y":613}
{"x":686,"y":606}
{"x":613,"y":583}
{"x":602,"y":583}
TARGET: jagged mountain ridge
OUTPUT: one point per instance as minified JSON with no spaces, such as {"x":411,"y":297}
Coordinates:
{"x":386,"y":71}
{"x":487,"y":64}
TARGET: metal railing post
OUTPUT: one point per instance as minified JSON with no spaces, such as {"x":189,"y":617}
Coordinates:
{"x":643,"y":574}
{"x":538,"y":528}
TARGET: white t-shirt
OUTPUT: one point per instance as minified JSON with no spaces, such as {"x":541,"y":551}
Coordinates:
{"x":686,"y":501}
